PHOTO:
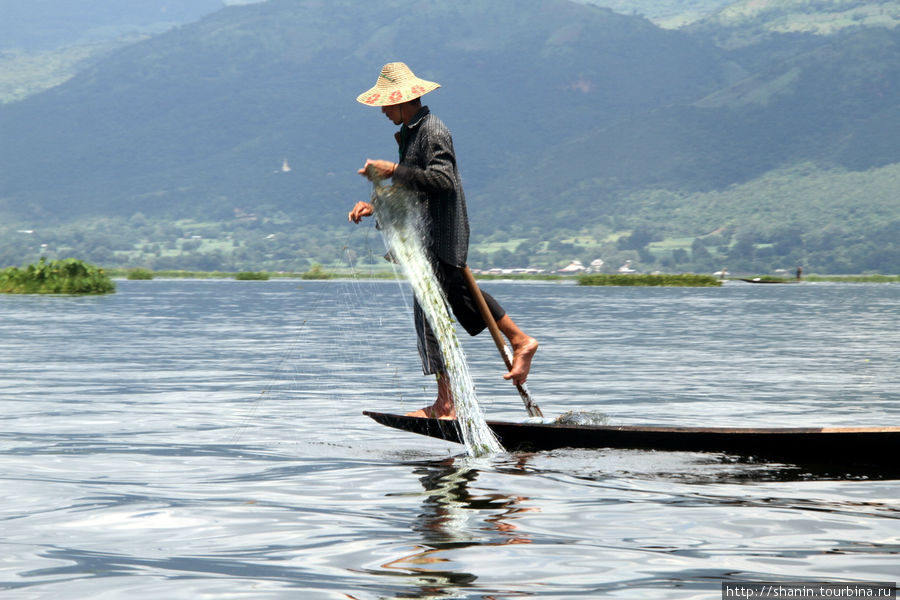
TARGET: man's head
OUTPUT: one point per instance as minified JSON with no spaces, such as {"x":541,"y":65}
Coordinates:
{"x":403,"y":112}
{"x":396,"y":84}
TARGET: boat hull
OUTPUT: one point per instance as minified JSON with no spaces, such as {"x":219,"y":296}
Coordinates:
{"x":844,"y":445}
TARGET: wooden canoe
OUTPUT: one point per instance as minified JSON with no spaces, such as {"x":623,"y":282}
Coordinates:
{"x":758,"y":280}
{"x":819,"y":445}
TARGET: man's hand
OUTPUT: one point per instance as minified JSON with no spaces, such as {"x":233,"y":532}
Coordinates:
{"x":362,"y":209}
{"x":383,"y":168}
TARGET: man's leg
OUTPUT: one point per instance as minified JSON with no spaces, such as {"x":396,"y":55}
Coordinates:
{"x":468,"y":315}
{"x":443,"y":407}
{"x":432,"y":362}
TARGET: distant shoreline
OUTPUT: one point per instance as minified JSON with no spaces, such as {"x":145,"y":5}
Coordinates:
{"x":591,"y":279}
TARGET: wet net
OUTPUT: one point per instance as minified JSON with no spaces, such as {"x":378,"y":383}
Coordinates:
{"x":399,"y":217}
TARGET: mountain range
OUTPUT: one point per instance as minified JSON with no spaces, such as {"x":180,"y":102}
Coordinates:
{"x":570,"y":121}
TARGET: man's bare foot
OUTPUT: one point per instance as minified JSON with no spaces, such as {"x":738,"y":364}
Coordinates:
{"x":429,"y":412}
{"x":443,"y":407}
{"x":523,"y":352}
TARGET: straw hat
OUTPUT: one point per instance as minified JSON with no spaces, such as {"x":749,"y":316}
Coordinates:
{"x":396,"y":84}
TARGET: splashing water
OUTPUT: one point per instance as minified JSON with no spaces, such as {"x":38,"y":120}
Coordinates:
{"x":588,"y":417}
{"x":399,"y":217}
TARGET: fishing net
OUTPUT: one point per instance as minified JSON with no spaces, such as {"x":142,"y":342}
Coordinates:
{"x":399,"y":217}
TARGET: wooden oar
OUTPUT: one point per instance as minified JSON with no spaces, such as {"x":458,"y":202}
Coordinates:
{"x":533,"y":409}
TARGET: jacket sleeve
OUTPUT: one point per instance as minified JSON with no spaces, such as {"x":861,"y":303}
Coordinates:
{"x":437,"y":176}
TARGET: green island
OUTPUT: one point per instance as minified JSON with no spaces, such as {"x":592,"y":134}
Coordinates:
{"x":140,"y":274}
{"x":680,"y":280}
{"x":315,"y":272}
{"x":872,"y":278}
{"x":252,"y":276}
{"x":64,"y":276}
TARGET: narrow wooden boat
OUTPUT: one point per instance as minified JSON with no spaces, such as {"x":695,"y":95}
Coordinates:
{"x":819,"y":445}
{"x":760,"y":280}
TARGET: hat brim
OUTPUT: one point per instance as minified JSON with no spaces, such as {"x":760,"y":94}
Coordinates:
{"x":379,"y":96}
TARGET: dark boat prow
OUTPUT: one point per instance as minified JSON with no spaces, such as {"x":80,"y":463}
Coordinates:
{"x":874,"y":446}
{"x":760,"y":280}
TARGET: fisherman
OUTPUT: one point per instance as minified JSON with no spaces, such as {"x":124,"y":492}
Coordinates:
{"x":427,"y":166}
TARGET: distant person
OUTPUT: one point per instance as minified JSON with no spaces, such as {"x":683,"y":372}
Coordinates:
{"x":799,"y":273}
{"x":427,"y":166}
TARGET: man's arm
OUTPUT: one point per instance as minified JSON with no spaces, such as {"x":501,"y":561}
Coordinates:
{"x":435,"y":151}
{"x":435,"y":178}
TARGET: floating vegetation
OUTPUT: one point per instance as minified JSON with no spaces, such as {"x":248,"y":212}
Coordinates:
{"x":316,"y":272}
{"x":140,"y":274}
{"x":252,"y":276}
{"x":874,"y":278}
{"x":681,"y":280}
{"x":66,"y":276}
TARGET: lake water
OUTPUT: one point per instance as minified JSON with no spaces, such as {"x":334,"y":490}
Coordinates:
{"x":204,"y":439}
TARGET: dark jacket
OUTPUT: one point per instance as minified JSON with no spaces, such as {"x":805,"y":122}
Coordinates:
{"x":428,"y":167}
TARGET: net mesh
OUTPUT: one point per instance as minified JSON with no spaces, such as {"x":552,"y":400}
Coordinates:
{"x":399,"y":217}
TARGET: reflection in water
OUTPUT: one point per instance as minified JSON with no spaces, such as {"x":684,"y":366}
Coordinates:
{"x":458,"y":520}
{"x":446,"y":523}
{"x":456,"y":516}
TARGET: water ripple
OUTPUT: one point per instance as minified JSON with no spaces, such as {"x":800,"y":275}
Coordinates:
{"x":204,"y":439}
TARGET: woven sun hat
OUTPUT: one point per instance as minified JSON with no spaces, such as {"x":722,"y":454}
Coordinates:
{"x":396,"y":84}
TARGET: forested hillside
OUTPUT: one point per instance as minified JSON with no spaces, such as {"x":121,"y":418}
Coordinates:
{"x":747,"y":22}
{"x":43,"y":43}
{"x":582,"y":133}
{"x":49,"y":24}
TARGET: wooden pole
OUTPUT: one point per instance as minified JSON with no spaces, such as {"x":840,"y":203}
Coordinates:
{"x":533,"y":409}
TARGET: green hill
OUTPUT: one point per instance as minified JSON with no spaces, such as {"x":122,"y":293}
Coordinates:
{"x":173,"y":124}
{"x":835,"y":106}
{"x":38,"y":25}
{"x":575,"y":126}
{"x":747,"y":22}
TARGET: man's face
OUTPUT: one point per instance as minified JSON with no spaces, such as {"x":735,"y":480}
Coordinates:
{"x":393,"y":113}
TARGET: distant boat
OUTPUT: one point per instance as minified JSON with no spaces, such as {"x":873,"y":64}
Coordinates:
{"x":769,"y":280}
{"x":285,"y":167}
